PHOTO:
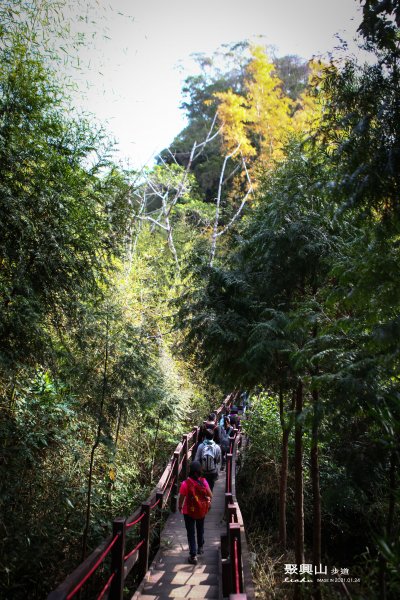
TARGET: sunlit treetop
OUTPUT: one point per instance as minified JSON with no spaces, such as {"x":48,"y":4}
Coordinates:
{"x":234,"y":116}
{"x":269,"y":108}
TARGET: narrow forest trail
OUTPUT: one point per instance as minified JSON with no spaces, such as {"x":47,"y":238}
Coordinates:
{"x":223,"y":570}
{"x":170,"y":575}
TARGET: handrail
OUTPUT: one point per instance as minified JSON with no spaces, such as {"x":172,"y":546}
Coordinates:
{"x":236,"y":567}
{"x":93,"y":569}
{"x":236,"y":576}
{"x":122,"y":562}
{"x":135,"y":522}
{"x":106,"y":587}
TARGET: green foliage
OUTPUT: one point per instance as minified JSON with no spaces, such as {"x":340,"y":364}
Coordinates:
{"x":42,"y":442}
{"x":380,"y":25}
{"x":360,"y":126}
{"x":258,"y":477}
{"x":86,"y":364}
{"x":263,"y":430}
{"x":308,"y":290}
{"x":55,"y":234}
{"x":243,"y":323}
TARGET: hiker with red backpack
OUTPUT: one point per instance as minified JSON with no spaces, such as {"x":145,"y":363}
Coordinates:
{"x":194,"y":503}
{"x":209,"y":456}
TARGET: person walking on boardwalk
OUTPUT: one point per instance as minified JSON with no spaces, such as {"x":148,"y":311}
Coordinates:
{"x":212,"y":424}
{"x":209,"y":456}
{"x":194,"y":502}
{"x":226,"y":432}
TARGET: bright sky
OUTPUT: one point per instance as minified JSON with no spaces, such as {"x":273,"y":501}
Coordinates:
{"x":138,"y":92}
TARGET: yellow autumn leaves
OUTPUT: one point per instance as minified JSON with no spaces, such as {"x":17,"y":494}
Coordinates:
{"x":260,"y":122}
{"x":234,"y":117}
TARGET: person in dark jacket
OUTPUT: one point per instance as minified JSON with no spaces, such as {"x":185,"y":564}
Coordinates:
{"x":234,"y":417}
{"x":212,"y":424}
{"x":226,"y":431}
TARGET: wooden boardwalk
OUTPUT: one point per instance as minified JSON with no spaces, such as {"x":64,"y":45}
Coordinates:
{"x":170,"y":575}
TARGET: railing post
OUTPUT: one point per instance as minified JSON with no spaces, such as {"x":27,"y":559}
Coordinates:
{"x":228,"y":500}
{"x":185,"y":468}
{"x":145,"y":536}
{"x":117,"y":560}
{"x":175,"y":475}
{"x":232,"y":512}
{"x":196,"y":433}
{"x":228,"y":473}
{"x":232,"y":441}
{"x":235,"y":556}
{"x":160,"y":497}
{"x":226,"y":577}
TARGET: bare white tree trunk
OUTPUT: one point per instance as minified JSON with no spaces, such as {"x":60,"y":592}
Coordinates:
{"x":239,"y":210}
{"x":170,"y":193}
{"x":218,"y":204}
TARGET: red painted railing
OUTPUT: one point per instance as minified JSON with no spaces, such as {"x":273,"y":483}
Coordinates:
{"x":123,"y":560}
{"x":231,"y":542}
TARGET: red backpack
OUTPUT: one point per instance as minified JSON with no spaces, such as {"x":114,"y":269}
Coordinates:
{"x":198,"y":502}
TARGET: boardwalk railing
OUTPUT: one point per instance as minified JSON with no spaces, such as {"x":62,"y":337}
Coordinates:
{"x":117,"y":549}
{"x":237,"y":582}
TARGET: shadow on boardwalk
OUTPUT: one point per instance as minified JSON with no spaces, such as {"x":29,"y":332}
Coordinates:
{"x":170,"y":575}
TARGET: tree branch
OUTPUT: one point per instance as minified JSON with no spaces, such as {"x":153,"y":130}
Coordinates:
{"x":147,"y":218}
{"x":235,"y":216}
{"x":216,"y":221}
